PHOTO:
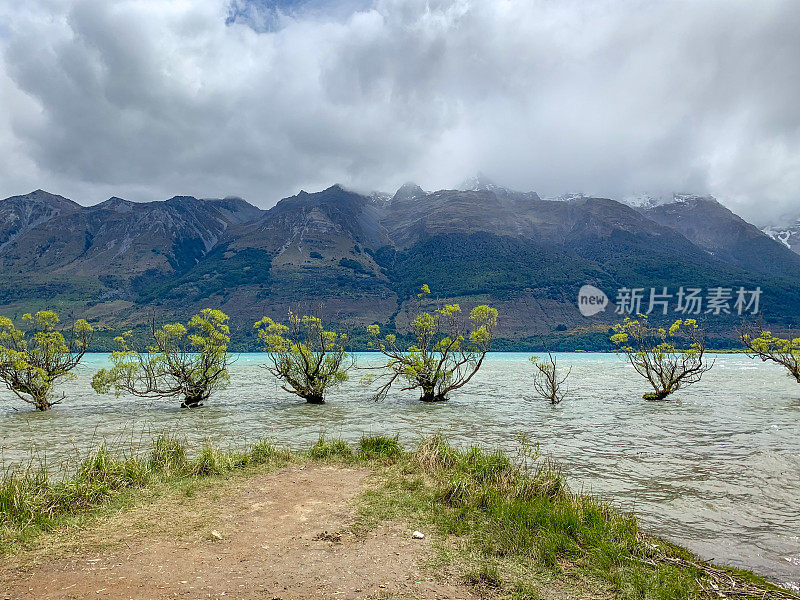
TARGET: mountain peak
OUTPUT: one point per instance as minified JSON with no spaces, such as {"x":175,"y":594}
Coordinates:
{"x":408,"y":191}
{"x":181,"y":199}
{"x":479,"y":183}
{"x":45,"y":197}
{"x":116,"y":204}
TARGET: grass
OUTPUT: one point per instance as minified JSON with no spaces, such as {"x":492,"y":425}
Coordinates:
{"x":508,"y":525}
{"x":512,"y":527}
{"x":33,"y":502}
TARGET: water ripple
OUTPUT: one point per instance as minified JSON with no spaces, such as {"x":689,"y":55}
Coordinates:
{"x":717,"y":469}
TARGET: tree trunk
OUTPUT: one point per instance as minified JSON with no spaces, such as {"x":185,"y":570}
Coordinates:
{"x":657,"y":396}
{"x":314,"y":398}
{"x":42,"y":403}
{"x":428,"y":395}
{"x":193,"y":401}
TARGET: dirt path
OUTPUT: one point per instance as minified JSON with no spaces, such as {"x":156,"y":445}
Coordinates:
{"x":284,"y":535}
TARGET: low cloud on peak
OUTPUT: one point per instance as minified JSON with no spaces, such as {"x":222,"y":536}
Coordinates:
{"x":261,"y":99}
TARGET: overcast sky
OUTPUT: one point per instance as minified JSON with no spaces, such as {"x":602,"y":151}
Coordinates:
{"x":146,"y":99}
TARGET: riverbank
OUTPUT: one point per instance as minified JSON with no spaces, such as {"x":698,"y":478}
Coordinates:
{"x":336,"y":521}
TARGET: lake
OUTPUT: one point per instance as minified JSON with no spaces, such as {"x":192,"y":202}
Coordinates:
{"x":717,"y":469}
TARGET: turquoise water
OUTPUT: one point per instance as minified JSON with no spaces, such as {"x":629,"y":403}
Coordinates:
{"x":717,"y":469}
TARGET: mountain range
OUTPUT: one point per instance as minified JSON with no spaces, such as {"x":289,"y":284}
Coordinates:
{"x":360,"y":258}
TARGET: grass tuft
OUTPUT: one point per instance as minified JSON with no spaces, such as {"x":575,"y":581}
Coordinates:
{"x":324,"y":448}
{"x":168,"y":456}
{"x":211,"y":461}
{"x":485,"y":576}
{"x":435,"y":454}
{"x":263,"y":452}
{"x":379,"y":446}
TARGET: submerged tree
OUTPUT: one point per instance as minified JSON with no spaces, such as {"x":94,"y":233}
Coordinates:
{"x":654,"y":354}
{"x":446,"y":353}
{"x":31,"y":361}
{"x":308,"y":359}
{"x":548,"y":379}
{"x":762,"y":344}
{"x":189,"y":361}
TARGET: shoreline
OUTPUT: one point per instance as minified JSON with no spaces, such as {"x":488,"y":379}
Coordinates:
{"x":541,"y":534}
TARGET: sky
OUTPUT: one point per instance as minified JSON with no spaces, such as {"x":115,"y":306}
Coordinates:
{"x":147,"y":99}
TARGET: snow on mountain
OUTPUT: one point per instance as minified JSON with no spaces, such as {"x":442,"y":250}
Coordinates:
{"x":480,"y":183}
{"x":789,"y":236}
{"x":567,"y":197}
{"x":645,"y":200}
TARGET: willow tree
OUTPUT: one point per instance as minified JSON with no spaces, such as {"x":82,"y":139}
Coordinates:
{"x":549,"y":378}
{"x":188,"y":361}
{"x":34,"y":359}
{"x":669,"y":359}
{"x":762,"y":344}
{"x":308,"y":359}
{"x":446,"y":352}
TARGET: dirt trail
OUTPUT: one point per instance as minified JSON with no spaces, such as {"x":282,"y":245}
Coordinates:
{"x":284,"y":535}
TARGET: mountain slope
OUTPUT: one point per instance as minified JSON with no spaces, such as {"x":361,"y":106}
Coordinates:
{"x":726,"y":236}
{"x":358,"y":259}
{"x":20,"y":214}
{"x":789,"y":236}
{"x":117,"y":244}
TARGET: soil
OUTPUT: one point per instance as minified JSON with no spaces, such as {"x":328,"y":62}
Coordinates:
{"x":282,"y":535}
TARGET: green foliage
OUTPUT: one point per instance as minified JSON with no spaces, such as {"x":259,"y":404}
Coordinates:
{"x":653,"y":353}
{"x":487,"y":264}
{"x":167,"y":455}
{"x":379,"y":446}
{"x":211,"y":461}
{"x":444,"y":355}
{"x":357,"y":267}
{"x":785,"y":352}
{"x":220,"y":272}
{"x":31,"y":361}
{"x":189,"y":361}
{"x":308,"y":359}
{"x":324,"y":448}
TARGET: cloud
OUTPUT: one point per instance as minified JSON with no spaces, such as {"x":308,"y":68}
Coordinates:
{"x":148,"y":99}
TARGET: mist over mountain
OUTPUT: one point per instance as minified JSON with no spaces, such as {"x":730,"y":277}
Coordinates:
{"x":360,"y":258}
{"x":261,"y":98}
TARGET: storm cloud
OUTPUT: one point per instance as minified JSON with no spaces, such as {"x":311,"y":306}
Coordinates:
{"x":149,"y":99}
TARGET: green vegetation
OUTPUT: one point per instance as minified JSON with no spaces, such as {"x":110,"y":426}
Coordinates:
{"x":444,"y":356}
{"x":654,"y":355}
{"x":548,"y":380}
{"x":308,"y":359}
{"x":349,"y":263}
{"x":379,"y":446}
{"x":511,"y":527}
{"x":32,"y":501}
{"x":507,"y":524}
{"x":32,"y":361}
{"x":218,"y":273}
{"x":785,"y":352}
{"x":189,"y":361}
{"x":487,"y":264}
